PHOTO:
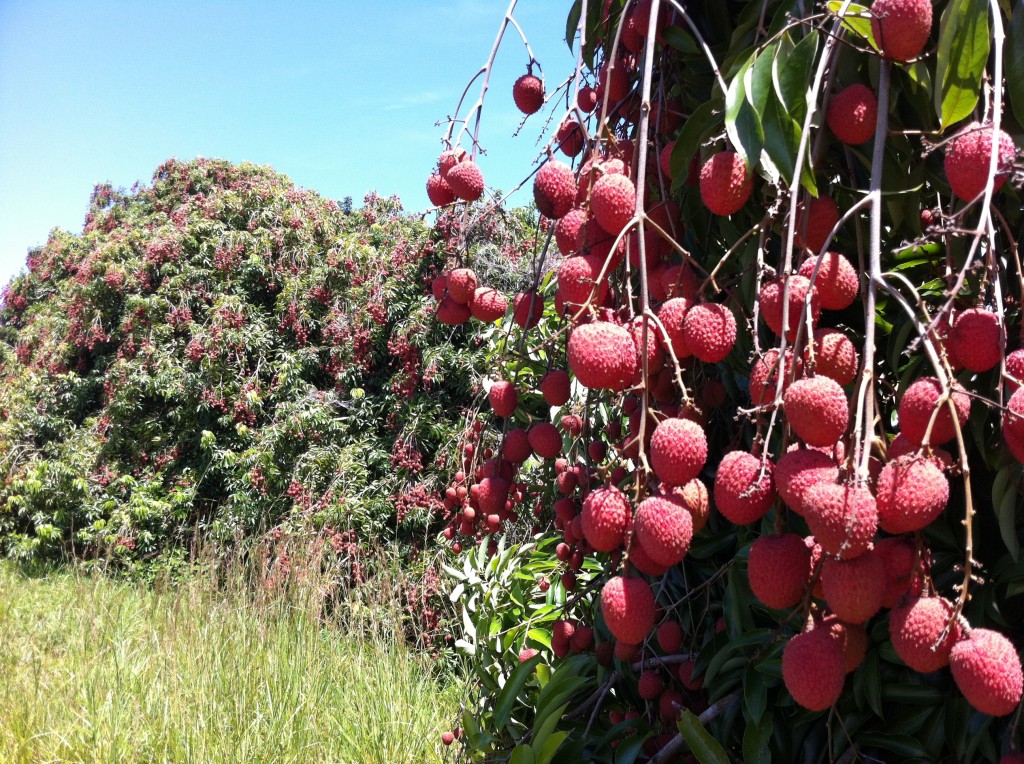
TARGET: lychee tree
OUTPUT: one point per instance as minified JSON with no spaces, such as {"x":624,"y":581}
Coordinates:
{"x":750,"y":469}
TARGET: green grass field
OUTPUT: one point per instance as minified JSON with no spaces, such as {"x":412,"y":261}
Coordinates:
{"x":98,"y":670}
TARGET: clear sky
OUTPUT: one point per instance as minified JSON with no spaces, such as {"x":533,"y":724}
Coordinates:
{"x":340,"y":95}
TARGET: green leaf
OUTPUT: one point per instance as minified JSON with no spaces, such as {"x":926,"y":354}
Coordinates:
{"x":755,"y":693}
{"x":510,"y":692}
{"x":704,"y":746}
{"x":755,"y":741}
{"x":861,"y":25}
{"x":903,"y":745}
{"x":741,"y":120}
{"x":572,"y":23}
{"x":1013,"y":65}
{"x":681,"y":40}
{"x":1006,"y":514}
{"x":630,"y":749}
{"x":545,"y":724}
{"x":792,"y":75}
{"x":960,"y":62}
{"x":547,"y":753}
{"x":522,"y":754}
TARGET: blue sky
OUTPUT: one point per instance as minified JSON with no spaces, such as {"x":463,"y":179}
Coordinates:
{"x":341,"y":95}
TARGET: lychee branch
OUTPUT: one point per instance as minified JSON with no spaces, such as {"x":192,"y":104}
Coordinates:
{"x":716,"y":709}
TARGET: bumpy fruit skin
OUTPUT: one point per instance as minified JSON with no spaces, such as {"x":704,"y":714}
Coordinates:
{"x":854,"y":589}
{"x":987,"y":670}
{"x":710,"y":331}
{"x":570,"y":138}
{"x":842,"y":518}
{"x":680,"y":281}
{"x":771,"y":304}
{"x":915,"y":627}
{"x":462,"y":284}
{"x":466,"y":181}
{"x":605,"y":518}
{"x":578,"y":282}
{"x":976,"y":340}
{"x":678,"y":451}
{"x":967,"y":161}
{"x":852,"y":114}
{"x":672,"y":315}
{"x":912,"y":492}
{"x":918,"y":403}
{"x":834,"y":356}
{"x":628,"y":606}
{"x":516,"y":446}
{"x":449,"y":158}
{"x":491,"y":494}
{"x":739,"y":495}
{"x":613,"y":202}
{"x":764,"y":376}
{"x":642,"y":561}
{"x":567,"y":228}
{"x":813,"y":669}
{"x":820,"y":216}
{"x":503,"y":397}
{"x":664,"y":529}
{"x":528,"y":93}
{"x":725,"y":183}
{"x":1014,"y":370}
{"x":851,"y":638}
{"x":556,"y":387}
{"x":602,"y":356}
{"x":655,"y":350}
{"x":554,"y":189}
{"x":798,"y":470}
{"x":545,"y":440}
{"x":817,"y":410}
{"x":649,"y":685}
{"x":778,"y":569}
{"x":837,"y":282}
{"x":452,"y":313}
{"x":901,"y":27}
{"x":670,"y":637}
{"x":439,"y":192}
{"x":527,"y":309}
{"x":487,"y":304}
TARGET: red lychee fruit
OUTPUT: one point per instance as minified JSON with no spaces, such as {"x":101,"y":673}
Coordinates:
{"x":710,"y":331}
{"x":526,"y":653}
{"x":670,"y":637}
{"x":834,"y":355}
{"x":693,"y":496}
{"x":898,"y":554}
{"x":528,"y":93}
{"x":814,"y":669}
{"x":642,"y":561}
{"x":527,"y":308}
{"x":672,"y":315}
{"x":917,"y":405}
{"x":487,"y":304}
{"x":664,"y":529}
{"x":628,"y":607}
{"x":837,"y":282}
{"x":439,"y":286}
{"x":613,"y":80}
{"x":778,"y":569}
{"x":613,"y":202}
{"x":678,"y":450}
{"x":798,"y":470}
{"x":561,"y":633}
{"x":670,"y":704}
{"x":852,"y":638}
{"x":602,"y":356}
{"x":545,"y":440}
{"x":583,"y":639}
{"x":448,"y":737}
{"x":842,"y":518}
{"x":462,"y":284}
{"x":655,"y":351}
{"x":605,"y":518}
{"x":665,"y":160}
{"x":570,"y":138}
{"x":516,"y":446}
{"x":968,"y":157}
{"x":649,"y":685}
{"x":771,"y":304}
{"x":901,"y":27}
{"x":764,"y":376}
{"x":915,"y":628}
{"x":439,"y":192}
{"x":554,"y":189}
{"x":449,"y":158}
{"x":852,"y":114}
{"x":503,"y":397}
{"x":820,"y":216}
{"x":986,"y":668}
{"x":586,"y":99}
{"x":466,"y":181}
{"x":854,"y":589}
{"x":1014,"y":370}
{"x":491,"y":494}
{"x":567,"y":229}
{"x":817,"y":410}
{"x":976,"y":340}
{"x":743,"y":493}
{"x":578,"y":282}
{"x":911,"y":493}
{"x":725,"y":183}
{"x":452,"y":313}
{"x":556,"y":387}
{"x":680,"y":281}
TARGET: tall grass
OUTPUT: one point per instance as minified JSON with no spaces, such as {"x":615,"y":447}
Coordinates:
{"x":208,"y":668}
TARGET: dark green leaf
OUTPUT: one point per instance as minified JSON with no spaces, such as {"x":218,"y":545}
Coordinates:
{"x":793,"y":75}
{"x":544,"y":725}
{"x":960,"y":62}
{"x":1013,"y":66}
{"x":903,"y":745}
{"x":681,"y":40}
{"x":510,"y":692}
{"x":755,"y":693}
{"x":547,"y":752}
{"x":755,"y":741}
{"x":741,"y":120}
{"x":572,"y":23}
{"x":704,"y":746}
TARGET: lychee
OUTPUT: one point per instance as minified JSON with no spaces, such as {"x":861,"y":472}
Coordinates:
{"x":814,"y":669}
{"x":580,"y":282}
{"x":439,"y":192}
{"x":586,"y":99}
{"x":487,"y":304}
{"x":503,"y":397}
{"x":672,"y":315}
{"x":554,"y":189}
{"x":655,"y":351}
{"x":678,"y":451}
{"x":764,"y":376}
{"x":605,"y":518}
{"x":976,"y":340}
{"x":817,"y":410}
{"x":452,"y":313}
{"x":680,"y":281}
{"x":710,"y":331}
{"x":528,"y":93}
{"x":837,"y":282}
{"x":798,"y":470}
{"x":628,"y":606}
{"x":516,"y":446}
{"x":901,"y":27}
{"x":693,"y":496}
{"x":642,"y":561}
{"x":649,"y":685}
{"x":664,"y":529}
{"x":570,"y":138}
{"x":462,"y":284}
{"x":449,"y":158}
{"x":771,"y":303}
{"x":843,"y":518}
{"x":567,"y":228}
{"x":915,"y":628}
{"x":670,"y":637}
{"x":852,"y":114}
{"x":912,"y":492}
{"x":555,"y":387}
{"x":545,"y":440}
{"x":665,"y":160}
{"x":920,"y":400}
{"x":744,"y":489}
{"x":613,"y":202}
{"x":898,"y":555}
{"x":815,"y":221}
{"x":834,"y":355}
{"x":602,"y":356}
{"x":986,"y":668}
{"x":854,"y":589}
{"x":466,"y":181}
{"x":968,"y":157}
{"x":491,"y":494}
{"x":852,"y":638}
{"x":778,"y":568}
{"x":527,"y":309}
{"x":725,"y":183}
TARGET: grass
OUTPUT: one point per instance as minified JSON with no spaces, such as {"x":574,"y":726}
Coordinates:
{"x":94,"y":669}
